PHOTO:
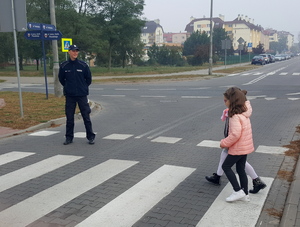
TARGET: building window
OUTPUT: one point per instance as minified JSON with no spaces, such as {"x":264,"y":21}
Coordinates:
{"x":230,"y":25}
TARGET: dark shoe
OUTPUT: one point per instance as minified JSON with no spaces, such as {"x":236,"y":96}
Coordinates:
{"x":215,"y":179}
{"x":68,"y":142}
{"x":258,"y":184}
{"x":91,"y":141}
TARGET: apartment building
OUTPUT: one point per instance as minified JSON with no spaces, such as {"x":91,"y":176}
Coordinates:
{"x":244,"y":27}
{"x":203,"y":24}
{"x":175,"y":38}
{"x":152,"y":33}
{"x":289,"y":37}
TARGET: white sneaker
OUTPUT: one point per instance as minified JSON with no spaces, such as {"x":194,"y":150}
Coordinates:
{"x":246,"y":198}
{"x":236,"y":196}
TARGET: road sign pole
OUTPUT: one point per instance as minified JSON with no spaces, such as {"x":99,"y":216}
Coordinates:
{"x":17,"y":57}
{"x":45,"y":73}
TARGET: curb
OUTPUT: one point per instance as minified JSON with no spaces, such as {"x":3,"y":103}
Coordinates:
{"x":95,"y":108}
{"x":291,"y":206}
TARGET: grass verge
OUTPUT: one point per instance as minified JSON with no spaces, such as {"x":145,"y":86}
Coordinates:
{"x":36,"y":108}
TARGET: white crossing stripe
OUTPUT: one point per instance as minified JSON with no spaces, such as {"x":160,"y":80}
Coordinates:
{"x":152,"y":96}
{"x":118,"y":136}
{"x":50,"y":199}
{"x":283,"y":74}
{"x":13,"y":156}
{"x":35,"y":170}
{"x":238,"y":213}
{"x":260,"y":149}
{"x":209,"y":143}
{"x":270,"y":98}
{"x":293,"y":99}
{"x":164,"y":139}
{"x":271,"y":150}
{"x":296,"y":74}
{"x":43,"y":133}
{"x":256,"y":74}
{"x":79,"y":134}
{"x":130,"y":206}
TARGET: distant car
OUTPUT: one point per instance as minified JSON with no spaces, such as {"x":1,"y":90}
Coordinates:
{"x":267,"y":58}
{"x":272,"y":58}
{"x":278,"y":57}
{"x":258,"y":60}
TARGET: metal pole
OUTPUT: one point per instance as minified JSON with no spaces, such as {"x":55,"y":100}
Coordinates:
{"x":211,"y":40}
{"x":44,"y":60}
{"x":57,"y":86}
{"x":17,"y":57}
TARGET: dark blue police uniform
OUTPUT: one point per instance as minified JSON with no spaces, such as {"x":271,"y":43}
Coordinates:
{"x":75,"y":77}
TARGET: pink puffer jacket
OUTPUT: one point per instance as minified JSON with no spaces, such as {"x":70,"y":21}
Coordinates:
{"x":239,"y":140}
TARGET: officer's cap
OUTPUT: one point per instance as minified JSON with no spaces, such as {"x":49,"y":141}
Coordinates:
{"x":73,"y":47}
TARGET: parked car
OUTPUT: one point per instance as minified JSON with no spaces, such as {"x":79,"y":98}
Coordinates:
{"x":266,"y":57}
{"x":258,"y":60}
{"x":278,"y":57}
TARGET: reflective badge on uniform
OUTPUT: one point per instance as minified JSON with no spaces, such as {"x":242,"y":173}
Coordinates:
{"x":79,"y":70}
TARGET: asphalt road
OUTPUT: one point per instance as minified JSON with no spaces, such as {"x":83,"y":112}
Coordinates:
{"x":148,"y":167}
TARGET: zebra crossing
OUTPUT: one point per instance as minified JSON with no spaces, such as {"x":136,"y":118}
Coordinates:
{"x":161,"y":139}
{"x":263,"y":73}
{"x":130,"y":206}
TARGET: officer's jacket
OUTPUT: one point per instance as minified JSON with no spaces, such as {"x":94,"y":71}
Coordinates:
{"x":75,"y":77}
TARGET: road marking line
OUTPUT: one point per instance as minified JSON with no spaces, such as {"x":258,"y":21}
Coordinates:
{"x":35,"y":170}
{"x":270,"y":98}
{"x":13,"y":156}
{"x":43,"y":133}
{"x":195,"y":97}
{"x":113,"y":95}
{"x":126,"y":89}
{"x":50,"y":199}
{"x":129,"y":207}
{"x":152,"y":96}
{"x":283,"y":74}
{"x":296,"y":74}
{"x":293,"y":99}
{"x":238,"y":213}
{"x":118,"y":136}
{"x":163,"y":139}
{"x":209,"y":143}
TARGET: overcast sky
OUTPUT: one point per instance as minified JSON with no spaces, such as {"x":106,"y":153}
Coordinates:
{"x":174,"y":15}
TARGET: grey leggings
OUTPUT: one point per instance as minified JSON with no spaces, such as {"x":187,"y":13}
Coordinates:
{"x":240,"y":161}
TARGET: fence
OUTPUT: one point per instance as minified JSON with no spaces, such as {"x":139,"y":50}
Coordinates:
{"x":235,"y":59}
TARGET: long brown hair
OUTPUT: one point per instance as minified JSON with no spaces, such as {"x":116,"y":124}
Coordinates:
{"x":237,"y":99}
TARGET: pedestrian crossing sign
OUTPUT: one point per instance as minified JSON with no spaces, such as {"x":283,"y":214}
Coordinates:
{"x":65,"y":43}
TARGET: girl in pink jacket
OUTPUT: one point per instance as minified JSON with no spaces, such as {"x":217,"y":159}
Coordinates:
{"x":239,"y":143}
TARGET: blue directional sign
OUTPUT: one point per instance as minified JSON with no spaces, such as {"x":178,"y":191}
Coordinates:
{"x":34,"y":26}
{"x":48,"y":27}
{"x":39,"y":26}
{"x":249,"y":45}
{"x":52,"y":35}
{"x":33,"y":35}
{"x":39,"y":35}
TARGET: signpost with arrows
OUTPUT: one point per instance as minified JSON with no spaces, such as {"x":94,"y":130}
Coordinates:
{"x":43,"y":32}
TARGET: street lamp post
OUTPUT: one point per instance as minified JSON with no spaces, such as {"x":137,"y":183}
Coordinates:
{"x":211,"y":40}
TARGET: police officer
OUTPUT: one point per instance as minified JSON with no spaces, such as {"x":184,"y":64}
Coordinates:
{"x":75,"y":77}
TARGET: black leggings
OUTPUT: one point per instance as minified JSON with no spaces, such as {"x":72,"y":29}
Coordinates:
{"x":240,"y":161}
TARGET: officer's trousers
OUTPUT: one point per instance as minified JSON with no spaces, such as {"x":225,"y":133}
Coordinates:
{"x":85,"y":111}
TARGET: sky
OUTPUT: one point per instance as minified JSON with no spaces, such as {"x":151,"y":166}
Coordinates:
{"x":174,"y":15}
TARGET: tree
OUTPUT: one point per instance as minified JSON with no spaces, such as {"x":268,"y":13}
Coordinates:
{"x":259,"y":49}
{"x":195,"y":47}
{"x":119,"y":20}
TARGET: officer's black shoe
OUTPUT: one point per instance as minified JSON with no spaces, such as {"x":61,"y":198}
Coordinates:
{"x":68,"y":141}
{"x":91,"y":141}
